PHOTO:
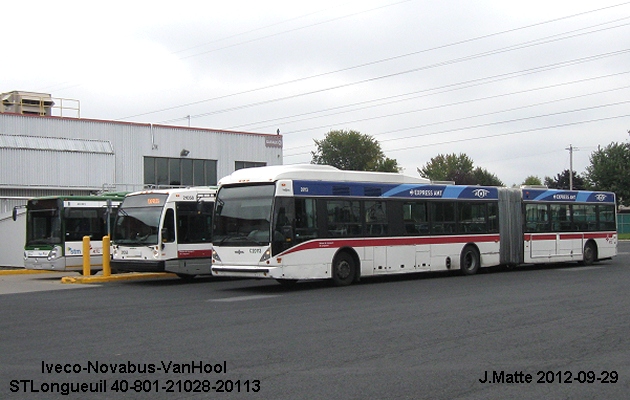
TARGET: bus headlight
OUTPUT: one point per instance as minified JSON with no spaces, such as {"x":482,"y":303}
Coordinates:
{"x":215,"y":256}
{"x":156,"y":252}
{"x":25,"y":255}
{"x":54,"y":254}
{"x":266,"y":255}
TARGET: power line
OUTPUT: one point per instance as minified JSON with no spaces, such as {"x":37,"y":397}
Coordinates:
{"x":494,"y":52}
{"x":496,"y":78}
{"x":295,"y":29}
{"x":484,"y":114}
{"x":497,"y":134}
{"x":536,"y":69}
{"x":488,"y":124}
{"x":511,"y":133}
{"x":371,"y":63}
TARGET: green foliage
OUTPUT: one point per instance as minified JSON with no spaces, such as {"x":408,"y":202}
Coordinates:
{"x":459,"y":169}
{"x":351,"y":150}
{"x":486,"y":178}
{"x":532,"y":181}
{"x":563,"y":180}
{"x":610,"y":170}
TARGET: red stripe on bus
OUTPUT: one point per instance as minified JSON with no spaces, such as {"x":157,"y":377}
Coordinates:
{"x":402,"y":241}
{"x":194,"y":253}
{"x":570,"y":236}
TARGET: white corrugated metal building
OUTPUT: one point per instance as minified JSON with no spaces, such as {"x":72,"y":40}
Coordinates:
{"x":53,"y":155}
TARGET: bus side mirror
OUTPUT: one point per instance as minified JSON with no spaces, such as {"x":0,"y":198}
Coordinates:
{"x":165,"y":237}
{"x":15,"y":213}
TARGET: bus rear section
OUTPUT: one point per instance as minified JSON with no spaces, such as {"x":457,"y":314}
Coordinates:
{"x":165,"y":231}
{"x":564,"y":226}
{"x":56,"y":226}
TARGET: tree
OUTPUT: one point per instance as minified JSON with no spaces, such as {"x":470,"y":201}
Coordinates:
{"x":610,"y":170}
{"x":459,"y":169}
{"x":351,"y":150}
{"x":563,"y":179}
{"x":484,"y":177}
{"x":451,"y":167}
{"x":532,"y":181}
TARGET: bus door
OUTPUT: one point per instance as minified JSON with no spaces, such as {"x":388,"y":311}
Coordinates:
{"x":168,"y":235}
{"x":539,"y":239}
{"x":192,"y":249}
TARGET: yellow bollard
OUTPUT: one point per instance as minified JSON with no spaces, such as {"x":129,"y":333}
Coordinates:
{"x":86,"y":256}
{"x":107,"y":270}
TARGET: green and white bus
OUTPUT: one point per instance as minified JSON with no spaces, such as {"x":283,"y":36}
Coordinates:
{"x":56,"y":225}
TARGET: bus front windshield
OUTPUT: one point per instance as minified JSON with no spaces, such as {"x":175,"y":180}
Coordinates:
{"x":138,"y":220}
{"x":243,"y":215}
{"x":43,"y":223}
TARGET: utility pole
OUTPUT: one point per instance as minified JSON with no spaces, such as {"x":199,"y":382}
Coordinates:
{"x":571,"y":150}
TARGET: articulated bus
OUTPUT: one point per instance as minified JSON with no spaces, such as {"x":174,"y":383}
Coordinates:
{"x":56,"y":225}
{"x":317,"y":222}
{"x":166,"y":230}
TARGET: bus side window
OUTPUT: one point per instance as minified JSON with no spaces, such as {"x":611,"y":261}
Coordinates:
{"x":305,"y":220}
{"x":606,"y":214}
{"x":343,"y":218}
{"x":376,"y":218}
{"x":560,"y":218}
{"x":415,"y":218}
{"x":442,"y":217}
{"x":536,"y":218}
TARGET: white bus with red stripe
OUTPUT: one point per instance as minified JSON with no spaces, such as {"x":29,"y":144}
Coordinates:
{"x":317,"y":222}
{"x":167,"y":230}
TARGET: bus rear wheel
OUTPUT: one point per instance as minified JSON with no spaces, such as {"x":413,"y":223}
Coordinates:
{"x":343,"y":269}
{"x":469,"y":261}
{"x":590,"y":253}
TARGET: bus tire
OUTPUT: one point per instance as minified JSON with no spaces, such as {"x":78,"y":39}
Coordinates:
{"x":590,"y":253}
{"x":343,"y":269}
{"x":469,"y":260}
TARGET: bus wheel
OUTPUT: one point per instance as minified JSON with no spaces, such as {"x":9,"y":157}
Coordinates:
{"x":343,"y":270}
{"x":469,"y":261}
{"x":287,"y":283}
{"x":590,"y":253}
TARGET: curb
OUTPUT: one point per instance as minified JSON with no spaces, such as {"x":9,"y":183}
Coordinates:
{"x":116,"y":277}
{"x":23,"y":271}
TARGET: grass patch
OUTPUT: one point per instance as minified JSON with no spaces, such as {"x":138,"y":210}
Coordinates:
{"x":624,"y":236}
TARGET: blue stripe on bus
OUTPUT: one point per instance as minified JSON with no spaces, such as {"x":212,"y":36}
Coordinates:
{"x":568,"y":196}
{"x":360,"y":189}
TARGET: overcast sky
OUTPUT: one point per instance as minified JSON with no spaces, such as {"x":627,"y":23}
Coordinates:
{"x":512,"y":84}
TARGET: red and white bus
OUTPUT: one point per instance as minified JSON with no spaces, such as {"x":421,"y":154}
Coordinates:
{"x":166,"y":230}
{"x":318,"y":222}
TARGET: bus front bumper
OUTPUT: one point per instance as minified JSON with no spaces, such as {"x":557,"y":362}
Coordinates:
{"x":247,"y":272}
{"x":42,"y":263}
{"x":137,"y":265}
